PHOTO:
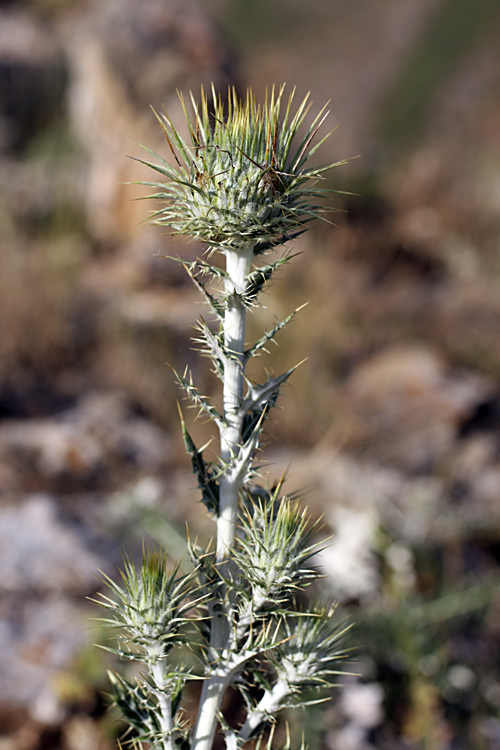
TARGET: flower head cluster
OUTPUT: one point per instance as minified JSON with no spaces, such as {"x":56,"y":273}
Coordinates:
{"x":240,"y":181}
{"x":240,"y":178}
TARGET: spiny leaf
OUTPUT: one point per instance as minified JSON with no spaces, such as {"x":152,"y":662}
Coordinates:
{"x":198,"y":268}
{"x":216,"y":305}
{"x":207,"y":483}
{"x":253,"y":420}
{"x":270,"y":335}
{"x":198,"y":400}
{"x":258,"y":278}
{"x":238,"y":469}
{"x":259,"y":401}
{"x":260,"y":396}
{"x":262,"y":246}
{"x":134,"y":701}
{"x":213,"y":347}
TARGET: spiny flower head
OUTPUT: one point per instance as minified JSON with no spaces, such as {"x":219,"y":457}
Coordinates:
{"x":311,"y":651}
{"x":240,"y":178}
{"x":151,"y":605}
{"x":274,"y":549}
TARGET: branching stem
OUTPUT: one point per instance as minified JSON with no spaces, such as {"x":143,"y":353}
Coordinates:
{"x":238,"y":265}
{"x":267,"y":707}
{"x":208,"y":712}
{"x":227,"y":189}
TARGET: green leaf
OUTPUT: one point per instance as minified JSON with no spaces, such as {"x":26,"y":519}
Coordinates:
{"x":270,"y":335}
{"x":260,"y":397}
{"x":258,"y":278}
{"x":206,"y":480}
{"x":213,"y":347}
{"x":198,"y":400}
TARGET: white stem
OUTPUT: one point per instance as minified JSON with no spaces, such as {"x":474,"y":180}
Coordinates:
{"x":267,"y":706}
{"x":210,"y":702}
{"x":238,"y":265}
{"x":158,"y":673}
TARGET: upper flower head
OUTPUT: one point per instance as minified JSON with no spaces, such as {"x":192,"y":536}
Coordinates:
{"x":240,"y":178}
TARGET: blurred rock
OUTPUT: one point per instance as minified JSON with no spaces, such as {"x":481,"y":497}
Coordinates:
{"x":361,"y":707}
{"x":490,"y":730}
{"x":39,"y":638}
{"x":40,"y":552}
{"x":45,"y":562}
{"x":362,"y":704}
{"x":125,"y":56}
{"x":85,"y":443}
{"x":410,"y":406}
{"x":32,"y":76}
{"x":80,"y":733}
{"x":349,"y":562}
{"x":360,"y":496}
{"x":473,"y":455}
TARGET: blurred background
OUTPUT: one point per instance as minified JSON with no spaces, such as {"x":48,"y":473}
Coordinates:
{"x":393,"y":423}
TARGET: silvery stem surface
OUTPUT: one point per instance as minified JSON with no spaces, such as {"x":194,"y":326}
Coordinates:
{"x":210,"y":702}
{"x":267,"y":707}
{"x":238,"y":265}
{"x":158,"y":673}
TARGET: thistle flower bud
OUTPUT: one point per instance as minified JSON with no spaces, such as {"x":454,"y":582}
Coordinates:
{"x":240,"y":180}
{"x":310,"y":653}
{"x":150,"y":607}
{"x":274,"y":548}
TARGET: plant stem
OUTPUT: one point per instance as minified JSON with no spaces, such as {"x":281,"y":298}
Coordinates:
{"x":210,"y":702}
{"x":238,"y":265}
{"x":158,"y":673}
{"x":268,"y":705}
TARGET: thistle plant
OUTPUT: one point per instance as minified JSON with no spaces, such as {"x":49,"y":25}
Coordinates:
{"x":241,"y":184}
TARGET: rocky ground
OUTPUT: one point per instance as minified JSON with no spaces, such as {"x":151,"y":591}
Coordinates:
{"x":393,"y":423}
